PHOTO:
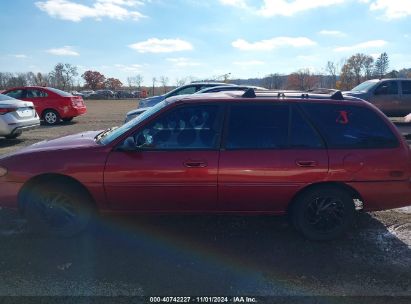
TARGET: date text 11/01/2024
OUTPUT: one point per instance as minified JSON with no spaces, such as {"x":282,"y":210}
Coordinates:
{"x":237,"y":299}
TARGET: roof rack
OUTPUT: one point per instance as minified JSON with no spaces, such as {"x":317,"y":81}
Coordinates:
{"x":332,"y":94}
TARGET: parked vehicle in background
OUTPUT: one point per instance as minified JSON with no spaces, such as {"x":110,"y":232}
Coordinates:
{"x":52,"y":105}
{"x":105,"y":94}
{"x":16,"y":116}
{"x":123,"y":94}
{"x":76,"y":93}
{"x":87,"y":93}
{"x":183,"y":90}
{"x":317,"y":158}
{"x":230,"y":88}
{"x":391,"y":96}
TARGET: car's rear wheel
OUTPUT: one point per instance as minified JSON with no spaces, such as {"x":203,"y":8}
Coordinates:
{"x":56,"y":209}
{"x":68,"y":119}
{"x":323,"y":213}
{"x":51,"y":117}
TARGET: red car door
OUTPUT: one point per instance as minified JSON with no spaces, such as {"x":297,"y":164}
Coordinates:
{"x":170,"y":164}
{"x":270,"y":153}
{"x":38,"y":98}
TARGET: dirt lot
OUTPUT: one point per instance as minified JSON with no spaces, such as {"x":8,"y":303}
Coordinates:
{"x":199,"y":255}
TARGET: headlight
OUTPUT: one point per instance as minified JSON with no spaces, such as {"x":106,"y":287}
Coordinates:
{"x":3,"y":171}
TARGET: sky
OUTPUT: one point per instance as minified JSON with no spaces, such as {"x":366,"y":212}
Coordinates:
{"x":200,"y":39}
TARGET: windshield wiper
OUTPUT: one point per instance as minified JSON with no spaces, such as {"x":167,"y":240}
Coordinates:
{"x":104,"y":133}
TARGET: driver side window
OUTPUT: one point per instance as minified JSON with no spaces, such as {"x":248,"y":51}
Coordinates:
{"x":187,"y":127}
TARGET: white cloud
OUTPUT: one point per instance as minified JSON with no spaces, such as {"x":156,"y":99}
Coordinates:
{"x":249,"y":62}
{"x":290,"y":8}
{"x":63,"y":51}
{"x":73,"y":11}
{"x":392,"y":9}
{"x":362,"y":46}
{"x":273,"y":43}
{"x":183,"y":62}
{"x":287,"y":8}
{"x":155,"y":45}
{"x":332,"y":33}
{"x":236,"y":3}
{"x":19,"y":56}
{"x":132,"y":68}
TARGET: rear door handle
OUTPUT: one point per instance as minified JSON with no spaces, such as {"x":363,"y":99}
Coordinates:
{"x":195,"y":164}
{"x":306,"y":163}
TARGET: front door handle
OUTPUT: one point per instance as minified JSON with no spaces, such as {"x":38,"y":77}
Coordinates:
{"x":306,"y":163}
{"x":195,"y":164}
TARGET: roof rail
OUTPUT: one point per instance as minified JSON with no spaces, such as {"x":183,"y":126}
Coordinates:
{"x":337,"y":96}
{"x":250,"y":93}
{"x":332,"y":94}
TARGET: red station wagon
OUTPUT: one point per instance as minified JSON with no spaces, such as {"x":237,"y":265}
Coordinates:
{"x":52,"y":105}
{"x":317,"y":158}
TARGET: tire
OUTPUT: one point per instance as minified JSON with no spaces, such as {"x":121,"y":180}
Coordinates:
{"x":13,"y":136}
{"x":68,"y":119}
{"x":51,"y":117}
{"x":323,"y":213}
{"x":56,"y":209}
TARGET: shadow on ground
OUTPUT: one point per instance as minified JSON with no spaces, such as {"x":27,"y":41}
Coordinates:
{"x":4,"y":143}
{"x":203,"y":255}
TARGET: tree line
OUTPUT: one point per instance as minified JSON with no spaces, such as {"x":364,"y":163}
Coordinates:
{"x":343,"y":76}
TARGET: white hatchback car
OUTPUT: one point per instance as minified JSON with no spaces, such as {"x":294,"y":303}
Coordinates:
{"x":16,"y":116}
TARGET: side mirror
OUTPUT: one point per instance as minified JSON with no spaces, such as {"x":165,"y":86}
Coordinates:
{"x":128,"y":145}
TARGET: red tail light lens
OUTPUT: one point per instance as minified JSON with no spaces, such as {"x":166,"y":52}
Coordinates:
{"x":6,"y":110}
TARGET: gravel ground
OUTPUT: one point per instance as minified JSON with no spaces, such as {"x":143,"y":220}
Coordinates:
{"x":199,"y":255}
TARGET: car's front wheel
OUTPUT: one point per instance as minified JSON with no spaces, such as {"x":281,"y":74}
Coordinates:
{"x":51,"y":117}
{"x":323,"y":213}
{"x":13,"y":136}
{"x":57,"y":209}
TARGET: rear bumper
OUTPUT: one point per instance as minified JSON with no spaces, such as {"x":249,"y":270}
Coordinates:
{"x":383,"y":195}
{"x":11,"y":126}
{"x":73,"y":112}
{"x":24,"y":128}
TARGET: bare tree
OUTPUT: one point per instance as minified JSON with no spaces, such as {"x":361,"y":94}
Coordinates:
{"x":62,"y":76}
{"x":139,"y":80}
{"x":331,"y":69}
{"x":164,"y":82}
{"x":180,"y":82}
{"x":154,"y":80}
{"x":302,"y":80}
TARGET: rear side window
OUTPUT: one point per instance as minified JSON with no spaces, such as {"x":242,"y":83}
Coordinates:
{"x":35,"y":94}
{"x":18,"y":94}
{"x":302,"y":134}
{"x":258,"y":126}
{"x":387,"y":88}
{"x":350,"y":127}
{"x":406,"y":87}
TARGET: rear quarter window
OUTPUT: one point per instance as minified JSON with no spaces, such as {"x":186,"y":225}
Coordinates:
{"x":351,"y":127}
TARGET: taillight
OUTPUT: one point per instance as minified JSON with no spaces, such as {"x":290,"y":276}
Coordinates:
{"x":76,"y":101}
{"x":6,"y":110}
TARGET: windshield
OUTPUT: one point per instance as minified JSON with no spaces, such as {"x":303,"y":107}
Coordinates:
{"x":116,"y":132}
{"x":60,"y":92}
{"x":365,"y":86}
